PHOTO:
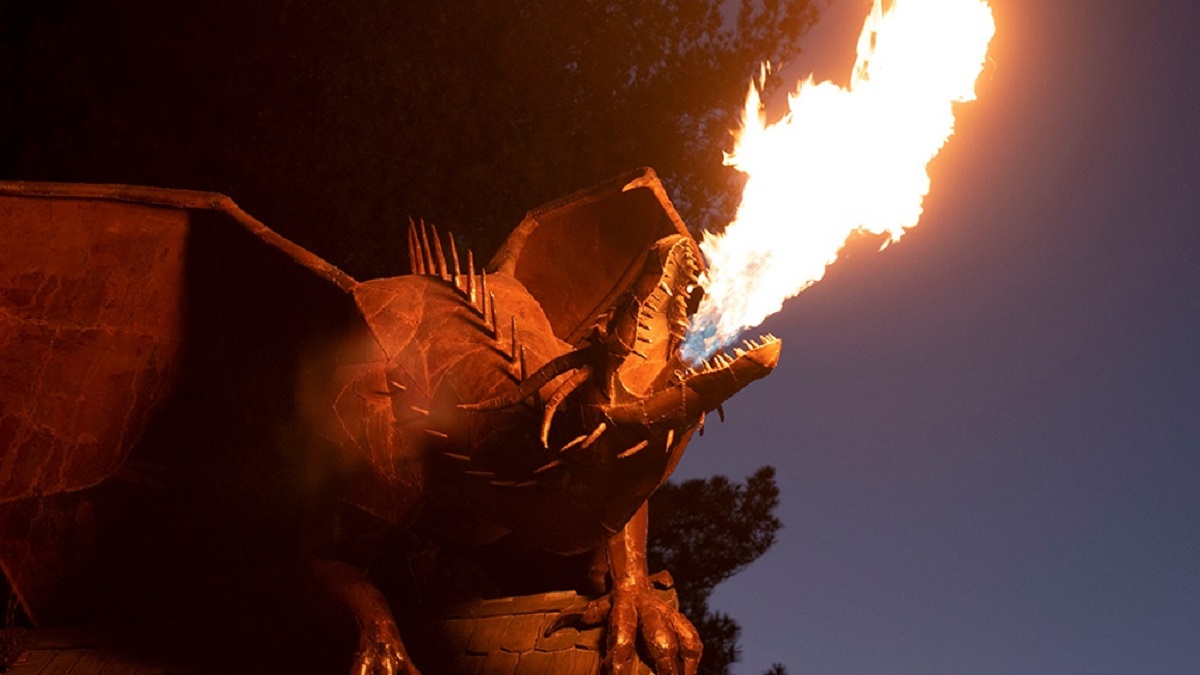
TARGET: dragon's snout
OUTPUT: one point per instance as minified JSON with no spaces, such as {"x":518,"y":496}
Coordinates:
{"x":693,"y":392}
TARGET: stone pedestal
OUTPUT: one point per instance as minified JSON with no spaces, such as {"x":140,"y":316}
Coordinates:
{"x":510,"y":636}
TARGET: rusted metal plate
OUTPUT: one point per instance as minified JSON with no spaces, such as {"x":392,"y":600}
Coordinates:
{"x":106,"y":292}
{"x":90,"y":327}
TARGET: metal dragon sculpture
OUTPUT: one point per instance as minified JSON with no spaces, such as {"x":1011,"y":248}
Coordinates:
{"x":541,"y":397}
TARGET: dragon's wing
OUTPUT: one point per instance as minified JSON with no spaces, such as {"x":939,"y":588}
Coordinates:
{"x":576,"y":255}
{"x":117,"y":303}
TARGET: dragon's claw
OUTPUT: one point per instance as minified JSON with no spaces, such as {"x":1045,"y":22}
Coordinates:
{"x":667,"y":636}
{"x":380,"y":652}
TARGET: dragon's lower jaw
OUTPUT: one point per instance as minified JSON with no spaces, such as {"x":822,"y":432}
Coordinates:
{"x":682,"y":403}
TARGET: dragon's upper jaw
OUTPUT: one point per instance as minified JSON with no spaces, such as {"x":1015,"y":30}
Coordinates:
{"x":649,"y":323}
{"x":652,"y":385}
{"x":682,"y":402}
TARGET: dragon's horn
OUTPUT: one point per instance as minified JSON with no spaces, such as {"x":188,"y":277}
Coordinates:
{"x":553,"y":368}
{"x":558,"y":397}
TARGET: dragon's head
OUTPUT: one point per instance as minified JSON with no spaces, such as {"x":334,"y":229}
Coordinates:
{"x":644,"y":389}
{"x":626,"y":398}
{"x":616,"y":274}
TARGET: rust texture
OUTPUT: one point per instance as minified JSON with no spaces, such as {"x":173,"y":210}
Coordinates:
{"x":179,"y":378}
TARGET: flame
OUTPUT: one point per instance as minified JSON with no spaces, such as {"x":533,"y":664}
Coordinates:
{"x":840,"y":160}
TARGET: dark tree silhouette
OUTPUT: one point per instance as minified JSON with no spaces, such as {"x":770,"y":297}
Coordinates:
{"x":335,"y":122}
{"x":705,"y":531}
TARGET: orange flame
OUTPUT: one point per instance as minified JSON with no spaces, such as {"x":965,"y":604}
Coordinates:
{"x":840,"y":160}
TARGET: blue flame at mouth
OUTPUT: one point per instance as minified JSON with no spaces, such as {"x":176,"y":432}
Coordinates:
{"x":700,"y":343}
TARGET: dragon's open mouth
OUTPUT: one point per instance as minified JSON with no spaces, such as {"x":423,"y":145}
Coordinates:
{"x":652,"y":385}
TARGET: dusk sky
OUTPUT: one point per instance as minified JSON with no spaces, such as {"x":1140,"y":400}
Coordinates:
{"x":987,"y":436}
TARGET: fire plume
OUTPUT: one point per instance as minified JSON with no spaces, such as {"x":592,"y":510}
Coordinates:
{"x":840,"y":160}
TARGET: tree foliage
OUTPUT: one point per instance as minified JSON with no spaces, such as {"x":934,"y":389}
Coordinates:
{"x":335,"y":122}
{"x":705,"y":531}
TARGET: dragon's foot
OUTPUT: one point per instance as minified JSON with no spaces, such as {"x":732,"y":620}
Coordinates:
{"x":667,"y":636}
{"x":380,"y":652}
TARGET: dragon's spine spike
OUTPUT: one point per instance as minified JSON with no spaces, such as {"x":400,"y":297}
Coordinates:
{"x":457,"y":271}
{"x":471,"y":276}
{"x":420,"y":411}
{"x":418,"y":259}
{"x":546,"y":467}
{"x":670,"y":439}
{"x":494,"y":324}
{"x":417,"y":243}
{"x":524,"y":371}
{"x":429,"y":268}
{"x":700,"y":424}
{"x":480,"y":474}
{"x":412,"y":249}
{"x":512,"y":353}
{"x":397,"y":386}
{"x":483,"y":293}
{"x":576,"y":441}
{"x":592,"y":437}
{"x":437,"y":434}
{"x":587,"y":439}
{"x":439,"y":257}
{"x":634,"y":450}
{"x":457,"y":457}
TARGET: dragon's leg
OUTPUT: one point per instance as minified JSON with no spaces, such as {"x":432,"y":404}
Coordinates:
{"x":632,"y":608}
{"x":380,"y":650}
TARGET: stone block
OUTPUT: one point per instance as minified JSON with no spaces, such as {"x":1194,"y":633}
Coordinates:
{"x":522,"y":632}
{"x":563,"y":638}
{"x":488,"y":635}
